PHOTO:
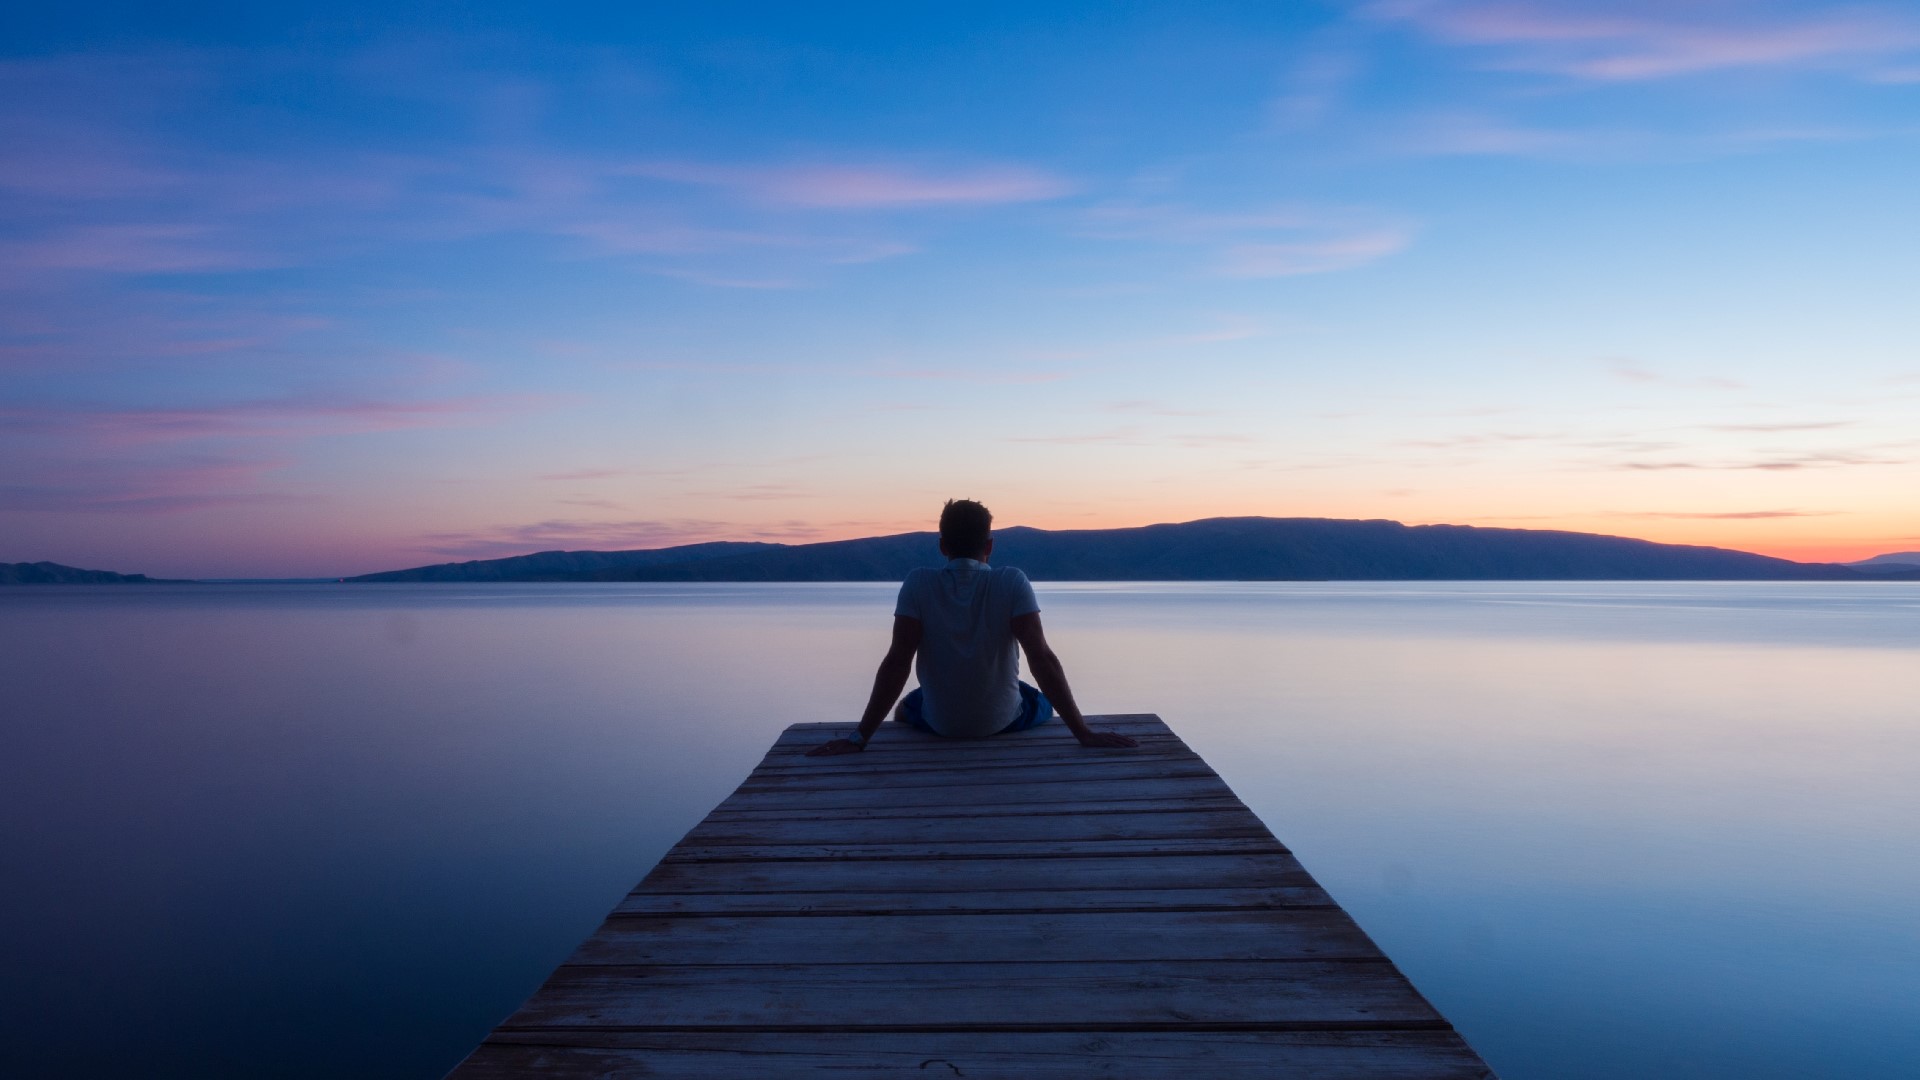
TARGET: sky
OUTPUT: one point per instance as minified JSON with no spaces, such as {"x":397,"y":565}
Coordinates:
{"x":311,"y":291}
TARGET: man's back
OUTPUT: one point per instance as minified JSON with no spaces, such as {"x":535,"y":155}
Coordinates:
{"x":968,"y":623}
{"x":969,"y":663}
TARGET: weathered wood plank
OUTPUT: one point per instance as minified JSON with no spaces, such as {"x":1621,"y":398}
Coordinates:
{"x":976,"y":849}
{"x":1027,"y":793}
{"x":1168,"y":1055}
{"x":1165,"y":825}
{"x":829,"y":779}
{"x":925,"y":748}
{"x":892,"y":741}
{"x":1021,"y":901}
{"x":960,"y":996}
{"x":952,"y":876}
{"x":891,"y":733}
{"x":880,"y":764}
{"x":805,"y":735}
{"x":1249,"y":934}
{"x":904,"y":810}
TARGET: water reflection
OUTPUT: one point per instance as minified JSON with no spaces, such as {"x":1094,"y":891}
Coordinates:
{"x":1646,"y":830}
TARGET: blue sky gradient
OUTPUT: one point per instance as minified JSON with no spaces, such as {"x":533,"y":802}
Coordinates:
{"x":291,"y":292}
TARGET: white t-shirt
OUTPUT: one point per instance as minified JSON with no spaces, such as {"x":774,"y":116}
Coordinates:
{"x":969,"y":662}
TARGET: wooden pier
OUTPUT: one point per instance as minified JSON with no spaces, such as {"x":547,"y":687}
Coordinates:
{"x":1008,"y":908}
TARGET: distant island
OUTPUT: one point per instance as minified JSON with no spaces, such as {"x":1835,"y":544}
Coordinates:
{"x":1215,"y":549}
{"x":48,"y":573}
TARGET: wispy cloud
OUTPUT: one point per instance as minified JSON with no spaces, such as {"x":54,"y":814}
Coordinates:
{"x":1280,"y":241}
{"x":1155,"y":408}
{"x":1675,"y":515}
{"x":625,"y":235}
{"x":773,"y":492}
{"x":1628,"y":41}
{"x":1468,"y":133}
{"x":1138,"y":436}
{"x":1320,"y":256}
{"x":1723,"y":515}
{"x":864,"y":186}
{"x":889,"y":370}
{"x":169,"y":459}
{"x":1224,"y":328}
{"x":109,"y":176}
{"x":1778,"y":463}
{"x":144,"y":485}
{"x":140,"y":248}
{"x":1313,"y":89}
{"x":56,"y":330}
{"x":1017,"y":378}
{"x":1480,"y":440}
{"x":1629,"y":371}
{"x":278,"y":418}
{"x":1462,"y":132}
{"x":589,"y":474}
{"x":1808,"y":425}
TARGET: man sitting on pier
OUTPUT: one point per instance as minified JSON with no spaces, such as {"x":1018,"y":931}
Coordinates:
{"x":964,"y":621}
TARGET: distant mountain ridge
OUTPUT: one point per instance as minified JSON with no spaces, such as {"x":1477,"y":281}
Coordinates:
{"x":49,"y":573}
{"x":1213,"y":549}
{"x":1893,"y":562}
{"x":564,"y":565}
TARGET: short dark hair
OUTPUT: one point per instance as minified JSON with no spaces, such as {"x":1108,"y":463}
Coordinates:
{"x":965,"y":528}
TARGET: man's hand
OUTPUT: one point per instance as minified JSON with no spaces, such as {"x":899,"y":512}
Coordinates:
{"x":1112,"y":740}
{"x":838,"y":746}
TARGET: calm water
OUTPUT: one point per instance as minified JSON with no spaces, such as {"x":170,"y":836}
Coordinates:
{"x":322,"y":831}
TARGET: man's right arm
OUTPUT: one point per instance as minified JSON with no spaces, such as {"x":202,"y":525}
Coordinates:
{"x":887,"y":684}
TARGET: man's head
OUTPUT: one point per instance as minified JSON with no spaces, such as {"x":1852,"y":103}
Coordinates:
{"x":966,"y":530}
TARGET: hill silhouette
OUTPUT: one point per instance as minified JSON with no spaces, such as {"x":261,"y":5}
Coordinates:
{"x":564,"y":565}
{"x":49,"y":573}
{"x":1215,"y":549}
{"x":1905,"y":564}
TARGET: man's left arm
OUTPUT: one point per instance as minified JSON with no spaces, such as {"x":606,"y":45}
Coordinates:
{"x":1052,"y":677}
{"x":887,"y":684}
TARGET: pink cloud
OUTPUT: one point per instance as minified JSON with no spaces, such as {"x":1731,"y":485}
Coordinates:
{"x":1155,"y":408}
{"x":865,"y":187}
{"x":963,"y":375}
{"x":140,"y":486}
{"x":1629,"y":42}
{"x":1468,"y":135}
{"x":153,"y":459}
{"x":1628,"y":371}
{"x":1136,"y":436}
{"x":1279,"y":241}
{"x":1175,"y":224}
{"x":1312,"y":256}
{"x":757,"y":493}
{"x":1727,"y":515}
{"x":703,"y":255}
{"x":138,"y":249}
{"x":60,"y":328}
{"x":293,"y":417}
{"x":588,"y":474}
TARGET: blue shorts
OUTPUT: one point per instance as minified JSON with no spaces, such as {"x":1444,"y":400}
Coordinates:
{"x":1035,"y":710}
